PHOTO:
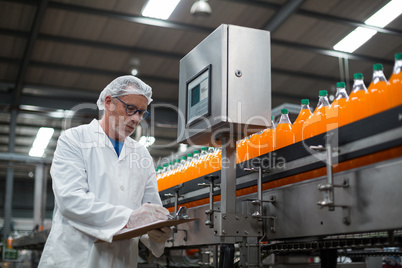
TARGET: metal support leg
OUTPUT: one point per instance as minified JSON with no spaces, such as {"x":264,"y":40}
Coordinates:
{"x":10,"y":178}
{"x":328,"y":258}
{"x":39,"y":178}
{"x":226,"y":257}
{"x":228,"y":179}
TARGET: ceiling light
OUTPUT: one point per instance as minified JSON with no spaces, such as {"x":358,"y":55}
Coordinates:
{"x":134,"y":71}
{"x":201,"y":8}
{"x":159,"y":9}
{"x":386,"y":14}
{"x":41,"y":141}
{"x":355,"y":39}
{"x":361,"y":35}
{"x":147,"y":140}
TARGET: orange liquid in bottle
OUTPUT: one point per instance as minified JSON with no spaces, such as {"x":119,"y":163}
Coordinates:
{"x":242,"y":150}
{"x":254,"y":145}
{"x":317,"y":122}
{"x":377,"y":98}
{"x":267,"y":141}
{"x":336,"y":116}
{"x":284,"y":135}
{"x":304,"y":114}
{"x":356,"y":106}
{"x":395,"y":90}
{"x":284,"y":131}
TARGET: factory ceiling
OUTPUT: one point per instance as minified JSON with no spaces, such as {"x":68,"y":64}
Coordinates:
{"x":57,"y":56}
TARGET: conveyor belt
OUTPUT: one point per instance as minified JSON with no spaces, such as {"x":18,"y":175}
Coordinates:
{"x":372,"y":139}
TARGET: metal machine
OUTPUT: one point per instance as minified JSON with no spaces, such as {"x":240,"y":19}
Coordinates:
{"x":338,"y":190}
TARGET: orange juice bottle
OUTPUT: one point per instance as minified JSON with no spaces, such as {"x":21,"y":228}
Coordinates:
{"x":200,"y":164}
{"x":215,"y":160}
{"x":194,"y":165}
{"x":317,"y":123}
{"x":395,"y":87}
{"x":180,"y":174}
{"x":284,"y":131}
{"x":304,"y":114}
{"x":356,"y":105}
{"x":158,"y":171}
{"x":267,"y":141}
{"x":175,"y":167}
{"x":377,"y":99}
{"x":185,"y":172}
{"x":208,"y":165}
{"x":336,"y":115}
{"x":242,"y":148}
{"x":254,"y":145}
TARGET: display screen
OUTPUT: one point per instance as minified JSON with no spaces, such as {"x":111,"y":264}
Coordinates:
{"x":195,"y":95}
{"x":198,"y":96}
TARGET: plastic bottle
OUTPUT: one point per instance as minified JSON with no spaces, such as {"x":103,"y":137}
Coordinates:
{"x":317,"y":122}
{"x":336,"y":116}
{"x":395,"y":87}
{"x":304,"y":114}
{"x":180,"y":174}
{"x":254,"y":145}
{"x":208,"y":165}
{"x":186,"y":168}
{"x":201,"y":162}
{"x":377,"y":98}
{"x":356,"y":105}
{"x":284,"y":131}
{"x":242,"y":148}
{"x":192,"y":169}
{"x":267,"y":141}
{"x":215,"y":162}
{"x":175,"y":169}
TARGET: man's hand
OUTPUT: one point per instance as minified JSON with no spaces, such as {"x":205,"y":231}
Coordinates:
{"x":160,"y":235}
{"x":146,"y":214}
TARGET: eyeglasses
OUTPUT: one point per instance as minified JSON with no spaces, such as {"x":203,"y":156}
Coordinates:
{"x":132,"y":110}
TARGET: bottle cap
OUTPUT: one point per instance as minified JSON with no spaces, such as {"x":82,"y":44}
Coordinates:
{"x":160,"y":167}
{"x":196,"y":152}
{"x":358,"y":76}
{"x":284,"y":111}
{"x":170,"y":163}
{"x":272,"y":117}
{"x":190,"y":155}
{"x":398,"y":56}
{"x":322,"y":93}
{"x":340,"y":85}
{"x":305,"y":101}
{"x":177,"y":160}
{"x":203,"y":148}
{"x":183,"y":158}
{"x":165,"y":165}
{"x":378,"y":67}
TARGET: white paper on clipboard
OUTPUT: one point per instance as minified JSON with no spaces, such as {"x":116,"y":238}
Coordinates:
{"x":128,"y":233}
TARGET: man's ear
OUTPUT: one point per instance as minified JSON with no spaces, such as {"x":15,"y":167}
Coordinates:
{"x":109,"y":104}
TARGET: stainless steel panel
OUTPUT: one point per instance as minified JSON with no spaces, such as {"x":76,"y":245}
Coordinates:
{"x":240,"y":78}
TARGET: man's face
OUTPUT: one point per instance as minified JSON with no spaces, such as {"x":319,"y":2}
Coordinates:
{"x":120,"y":122}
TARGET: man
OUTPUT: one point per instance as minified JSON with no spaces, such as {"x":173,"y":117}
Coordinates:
{"x":99,"y":189}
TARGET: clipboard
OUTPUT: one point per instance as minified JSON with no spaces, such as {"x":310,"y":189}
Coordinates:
{"x":128,"y":233}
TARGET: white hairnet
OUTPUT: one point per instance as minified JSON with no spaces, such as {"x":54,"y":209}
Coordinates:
{"x":124,"y":85}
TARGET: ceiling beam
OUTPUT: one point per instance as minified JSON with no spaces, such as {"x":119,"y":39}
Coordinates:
{"x":320,"y":16}
{"x":39,"y":15}
{"x":352,"y":23}
{"x":283,"y":14}
{"x":102,"y":45}
{"x":128,"y":17}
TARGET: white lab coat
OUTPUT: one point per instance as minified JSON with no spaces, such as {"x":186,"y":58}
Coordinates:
{"x":95,"y":193}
